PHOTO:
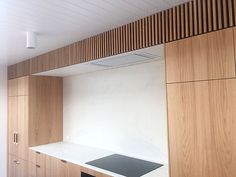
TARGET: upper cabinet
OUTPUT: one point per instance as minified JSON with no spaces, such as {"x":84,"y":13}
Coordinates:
{"x":208,"y":56}
{"x":18,"y":87}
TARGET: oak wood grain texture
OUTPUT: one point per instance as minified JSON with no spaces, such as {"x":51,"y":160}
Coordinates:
{"x":36,"y":158}
{"x":11,"y":167}
{"x":36,"y":163}
{"x":19,"y":70}
{"x":202,"y":128}
{"x":12,"y":124}
{"x":22,"y":129}
{"x":74,"y":170}
{"x":45,"y":111}
{"x":192,"y":18}
{"x":17,"y":167}
{"x":234,"y":36}
{"x":18,"y":87}
{"x":208,"y":56}
{"x":18,"y":124}
{"x":55,"y":167}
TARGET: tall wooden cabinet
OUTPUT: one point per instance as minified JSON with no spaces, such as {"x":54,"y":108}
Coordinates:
{"x":35,"y":117}
{"x":202,"y":128}
{"x":201,"y":97}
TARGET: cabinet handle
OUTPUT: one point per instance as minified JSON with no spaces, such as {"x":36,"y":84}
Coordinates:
{"x":38,"y":166}
{"x":38,"y":152}
{"x":16,"y":162}
{"x":16,"y":137}
{"x":64,"y":161}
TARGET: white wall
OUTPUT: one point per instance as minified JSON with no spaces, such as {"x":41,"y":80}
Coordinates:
{"x":122,"y":110}
{"x":3,"y":120}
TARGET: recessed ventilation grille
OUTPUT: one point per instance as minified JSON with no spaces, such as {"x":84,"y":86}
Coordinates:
{"x":126,"y":60}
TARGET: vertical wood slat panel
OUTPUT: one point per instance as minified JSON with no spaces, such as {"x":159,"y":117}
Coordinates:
{"x":163,"y":27}
{"x":225,"y":15}
{"x":170,"y":17}
{"x":200,"y":20}
{"x":234,"y":13}
{"x":191,"y":18}
{"x":220,"y":19}
{"x":230,"y":13}
{"x":182,"y":21}
{"x":185,"y":20}
{"x":178,"y":22}
{"x":214,"y":15}
{"x":204,"y":16}
{"x":186,"y":16}
{"x":209,"y":15}
{"x":174,"y":23}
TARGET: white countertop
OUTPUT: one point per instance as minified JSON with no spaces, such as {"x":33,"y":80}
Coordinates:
{"x":80,"y":154}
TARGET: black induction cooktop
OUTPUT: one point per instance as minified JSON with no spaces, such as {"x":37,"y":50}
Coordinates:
{"x":126,"y":166}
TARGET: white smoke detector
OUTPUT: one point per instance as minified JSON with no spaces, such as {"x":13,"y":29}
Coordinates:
{"x":31,"y":40}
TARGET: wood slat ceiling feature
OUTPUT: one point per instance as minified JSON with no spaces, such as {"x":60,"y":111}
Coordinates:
{"x":185,"y":20}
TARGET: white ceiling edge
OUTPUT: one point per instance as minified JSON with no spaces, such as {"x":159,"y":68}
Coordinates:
{"x":89,"y":67}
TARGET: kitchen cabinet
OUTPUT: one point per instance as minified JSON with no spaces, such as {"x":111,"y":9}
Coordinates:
{"x":56,"y":167}
{"x":18,"y":127}
{"x":74,"y":170}
{"x":202,"y":128}
{"x":18,"y":87}
{"x":17,"y":167}
{"x":203,"y":57}
{"x":34,"y":115}
{"x":36,"y":164}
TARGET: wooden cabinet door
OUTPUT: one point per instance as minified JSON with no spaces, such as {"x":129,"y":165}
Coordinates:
{"x":11,"y":166}
{"x":12,"y":124}
{"x":55,"y":167}
{"x":202,"y":128}
{"x":18,"y":87}
{"x":17,"y":167}
{"x":36,"y":164}
{"x":13,"y":87}
{"x":74,"y":170}
{"x":22,"y":128}
{"x":36,"y":170}
{"x":21,"y":168}
{"x":208,"y":56}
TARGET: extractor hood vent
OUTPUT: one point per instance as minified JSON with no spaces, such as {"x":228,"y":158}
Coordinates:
{"x":126,"y":60}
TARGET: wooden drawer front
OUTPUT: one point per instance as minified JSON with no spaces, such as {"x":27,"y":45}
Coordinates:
{"x":36,"y":158}
{"x":208,"y":56}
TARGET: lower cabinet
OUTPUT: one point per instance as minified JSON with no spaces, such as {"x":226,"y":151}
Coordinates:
{"x":17,"y":167}
{"x":56,"y":167}
{"x":41,"y":165}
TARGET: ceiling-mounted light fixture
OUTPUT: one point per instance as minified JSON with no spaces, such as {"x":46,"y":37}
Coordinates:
{"x":31,"y":40}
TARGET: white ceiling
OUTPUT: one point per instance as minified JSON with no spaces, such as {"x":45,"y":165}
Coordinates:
{"x":61,"y":22}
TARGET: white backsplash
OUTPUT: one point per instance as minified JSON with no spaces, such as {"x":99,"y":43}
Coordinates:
{"x":121,"y":110}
